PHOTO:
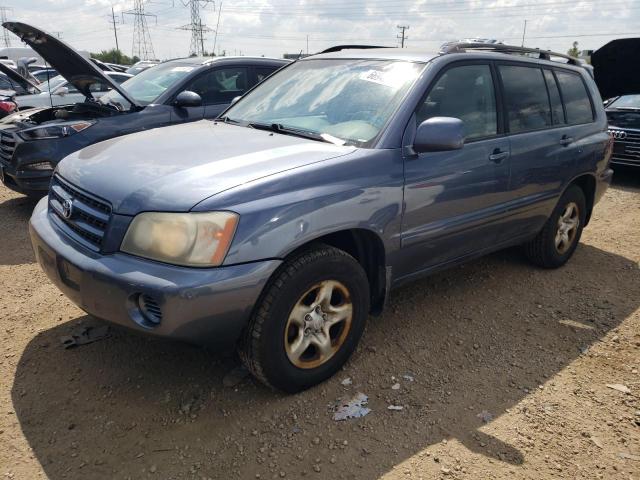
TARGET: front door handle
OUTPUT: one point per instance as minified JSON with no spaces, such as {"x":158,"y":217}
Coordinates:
{"x":566,"y":140}
{"x":498,"y":156}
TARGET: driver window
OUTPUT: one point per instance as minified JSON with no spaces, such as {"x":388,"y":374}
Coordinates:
{"x":220,"y":85}
{"x":466,"y":93}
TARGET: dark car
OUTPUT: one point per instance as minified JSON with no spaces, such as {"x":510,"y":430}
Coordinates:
{"x":280,"y":227}
{"x":616,"y":73}
{"x":185,"y":90}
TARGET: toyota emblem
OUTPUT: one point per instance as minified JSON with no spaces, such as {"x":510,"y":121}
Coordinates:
{"x":618,"y":134}
{"x":67,"y":208}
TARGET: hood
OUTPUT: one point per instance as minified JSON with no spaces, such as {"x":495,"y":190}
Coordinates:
{"x":19,"y":79}
{"x":616,"y":67}
{"x":174,"y":168}
{"x":81,"y":73}
{"x":20,"y":116}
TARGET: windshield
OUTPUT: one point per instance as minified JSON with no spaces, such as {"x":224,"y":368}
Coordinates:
{"x":348,"y":99}
{"x":626,"y":101}
{"x":149,"y":85}
{"x":52,"y":84}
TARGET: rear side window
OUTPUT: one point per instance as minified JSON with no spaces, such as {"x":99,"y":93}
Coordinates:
{"x":220,"y":85}
{"x":466,"y":93}
{"x":575,"y":97}
{"x":264,"y":72}
{"x":554,"y":97}
{"x":526,"y":98}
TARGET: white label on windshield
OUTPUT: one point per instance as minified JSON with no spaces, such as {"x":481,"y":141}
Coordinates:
{"x":182,"y":69}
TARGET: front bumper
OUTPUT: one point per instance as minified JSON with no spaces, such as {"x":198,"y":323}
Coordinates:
{"x":207,"y":306}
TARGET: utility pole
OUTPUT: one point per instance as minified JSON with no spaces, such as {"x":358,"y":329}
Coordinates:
{"x":215,"y":38}
{"x":524,"y":32}
{"x":3,"y":13}
{"x":114,"y":23}
{"x":196,"y":27}
{"x":402,"y":36}
{"x":57,"y":34}
{"x":142,"y":46}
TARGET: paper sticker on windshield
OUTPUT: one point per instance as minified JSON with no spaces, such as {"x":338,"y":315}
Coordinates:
{"x":182,"y":69}
{"x":387,"y":78}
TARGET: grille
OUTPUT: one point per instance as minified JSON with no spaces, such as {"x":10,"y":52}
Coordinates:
{"x":83,"y":216}
{"x":627,"y":150}
{"x":150,"y":308}
{"x":7,"y":145}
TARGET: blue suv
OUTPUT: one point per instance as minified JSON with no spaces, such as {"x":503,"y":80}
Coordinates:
{"x":282,"y":225}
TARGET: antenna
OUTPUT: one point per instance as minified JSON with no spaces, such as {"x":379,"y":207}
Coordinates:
{"x":196,"y":27}
{"x":142,"y":46}
{"x":3,"y":15}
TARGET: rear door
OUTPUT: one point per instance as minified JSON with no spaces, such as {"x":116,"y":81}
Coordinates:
{"x":544,"y":143}
{"x":454,"y":200}
{"x":225,"y":84}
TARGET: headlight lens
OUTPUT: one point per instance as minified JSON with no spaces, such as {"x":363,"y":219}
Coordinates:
{"x":58,"y":130}
{"x":190,"y":239}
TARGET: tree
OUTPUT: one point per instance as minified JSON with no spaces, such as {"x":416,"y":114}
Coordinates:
{"x":115,"y":56}
{"x":574,"y":51}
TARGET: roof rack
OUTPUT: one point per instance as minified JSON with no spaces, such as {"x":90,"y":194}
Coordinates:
{"x":461,"y":47}
{"x":339,"y":48}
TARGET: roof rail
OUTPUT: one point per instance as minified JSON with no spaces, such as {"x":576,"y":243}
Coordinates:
{"x":461,"y":47}
{"x":339,"y":48}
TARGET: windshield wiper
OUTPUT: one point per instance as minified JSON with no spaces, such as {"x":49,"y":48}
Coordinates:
{"x":232,"y":121}
{"x":627,"y":108}
{"x":279,"y":128}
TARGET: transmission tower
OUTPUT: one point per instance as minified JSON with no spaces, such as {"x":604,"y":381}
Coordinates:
{"x":196,"y":27}
{"x":142,"y":46}
{"x":3,"y":14}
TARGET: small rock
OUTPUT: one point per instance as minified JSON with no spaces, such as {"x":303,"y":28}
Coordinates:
{"x":316,"y":468}
{"x":395,"y":386}
{"x":153,"y":468}
{"x":619,"y":387}
{"x":596,"y":441}
{"x":395,"y":407}
{"x":347,"y":381}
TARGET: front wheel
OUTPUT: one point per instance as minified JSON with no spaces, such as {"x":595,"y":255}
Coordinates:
{"x":559,"y":237}
{"x":310,"y":319}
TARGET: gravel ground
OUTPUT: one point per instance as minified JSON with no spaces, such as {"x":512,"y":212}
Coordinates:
{"x":501,"y":371}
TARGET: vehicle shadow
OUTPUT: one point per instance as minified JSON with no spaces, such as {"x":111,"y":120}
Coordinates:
{"x":14,"y":230}
{"x":626,"y":178}
{"x":475,"y":339}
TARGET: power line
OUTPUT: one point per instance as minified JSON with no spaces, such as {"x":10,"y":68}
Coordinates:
{"x":196,"y":27}
{"x":402,"y":35}
{"x":3,"y":14}
{"x":142,"y":46}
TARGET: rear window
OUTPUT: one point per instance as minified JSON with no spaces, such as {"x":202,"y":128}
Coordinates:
{"x":526,"y":98}
{"x":575,"y":97}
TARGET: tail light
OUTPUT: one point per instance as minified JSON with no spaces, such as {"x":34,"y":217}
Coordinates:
{"x":8,"y":106}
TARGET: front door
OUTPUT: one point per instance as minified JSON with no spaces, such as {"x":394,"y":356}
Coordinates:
{"x":454,"y":200}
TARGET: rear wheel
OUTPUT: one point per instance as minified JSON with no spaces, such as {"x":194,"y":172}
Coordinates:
{"x":309,"y":321}
{"x":559,"y":237}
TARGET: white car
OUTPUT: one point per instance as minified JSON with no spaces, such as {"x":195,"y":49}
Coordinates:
{"x":58,"y":91}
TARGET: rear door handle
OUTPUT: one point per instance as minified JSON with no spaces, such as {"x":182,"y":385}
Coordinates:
{"x":566,"y":140}
{"x":497,"y":156}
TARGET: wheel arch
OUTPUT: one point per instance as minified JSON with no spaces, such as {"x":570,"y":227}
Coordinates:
{"x":367,"y":247}
{"x":587,"y":183}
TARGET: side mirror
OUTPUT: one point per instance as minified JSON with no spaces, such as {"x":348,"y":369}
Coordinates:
{"x":62,"y":91}
{"x":235,"y":99}
{"x":439,"y":134}
{"x":188,"y":98}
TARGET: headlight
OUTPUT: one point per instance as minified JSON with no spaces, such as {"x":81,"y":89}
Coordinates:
{"x":58,"y":130}
{"x":190,"y":239}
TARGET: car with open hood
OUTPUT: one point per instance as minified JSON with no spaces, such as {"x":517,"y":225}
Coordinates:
{"x":281,"y":226}
{"x":615,"y":65}
{"x":32,"y":142}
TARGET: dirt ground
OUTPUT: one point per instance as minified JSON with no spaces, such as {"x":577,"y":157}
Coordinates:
{"x":510,"y":367}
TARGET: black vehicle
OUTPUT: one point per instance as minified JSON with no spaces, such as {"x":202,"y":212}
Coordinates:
{"x":615,"y":65}
{"x":32,"y":142}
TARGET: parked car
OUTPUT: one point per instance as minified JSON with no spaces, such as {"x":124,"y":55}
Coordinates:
{"x":140,"y":66}
{"x":283,"y":225}
{"x":45,"y":74}
{"x":178,"y":91}
{"x":624,"y":126}
{"x":59,"y":91}
{"x":10,"y":79}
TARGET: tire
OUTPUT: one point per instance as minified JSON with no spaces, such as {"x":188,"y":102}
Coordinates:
{"x":543,"y":250}
{"x":286,"y":318}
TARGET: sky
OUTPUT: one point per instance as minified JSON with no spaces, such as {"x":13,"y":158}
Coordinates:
{"x":273,"y":27}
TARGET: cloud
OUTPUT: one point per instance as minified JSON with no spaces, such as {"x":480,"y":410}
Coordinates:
{"x":273,"y":27}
